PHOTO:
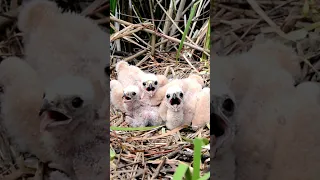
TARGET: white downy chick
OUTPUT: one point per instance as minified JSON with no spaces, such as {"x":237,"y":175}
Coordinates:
{"x":297,"y":142}
{"x":283,"y":56}
{"x":72,"y":129}
{"x":202,"y":112}
{"x":59,"y":43}
{"x":149,"y":85}
{"x":222,"y":128}
{"x":128,"y":74}
{"x":257,"y":126}
{"x":20,"y":105}
{"x":172,"y":107}
{"x":139,"y":114}
{"x":116,"y":95}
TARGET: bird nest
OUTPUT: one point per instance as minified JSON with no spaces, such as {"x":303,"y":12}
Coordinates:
{"x":14,"y":166}
{"x":157,"y":152}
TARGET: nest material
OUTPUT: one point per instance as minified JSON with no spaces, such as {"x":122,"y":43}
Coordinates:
{"x":158,"y":152}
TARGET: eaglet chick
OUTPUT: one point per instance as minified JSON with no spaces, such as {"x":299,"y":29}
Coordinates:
{"x":72,"y":129}
{"x":257,"y":125}
{"x":147,"y":82}
{"x":139,"y":114}
{"x":20,"y":105}
{"x":189,"y":87}
{"x":297,"y":144}
{"x":64,"y":43}
{"x":222,"y":124}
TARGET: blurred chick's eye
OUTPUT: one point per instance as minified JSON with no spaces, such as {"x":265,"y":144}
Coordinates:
{"x":168,"y":96}
{"x":77,"y":102}
{"x":134,"y":93}
{"x":144,"y":83}
{"x":181,"y":95}
{"x":156,"y":82}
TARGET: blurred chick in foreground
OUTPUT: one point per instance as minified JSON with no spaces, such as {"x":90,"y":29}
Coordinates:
{"x":64,"y":43}
{"x":238,"y":70}
{"x":20,"y":104}
{"x":72,"y":129}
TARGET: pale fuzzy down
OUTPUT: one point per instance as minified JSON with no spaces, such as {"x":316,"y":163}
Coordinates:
{"x":296,"y":155}
{"x":72,"y":129}
{"x":20,"y":106}
{"x":128,"y":74}
{"x":139,"y":114}
{"x":116,"y":94}
{"x":257,"y":127}
{"x":202,"y":112}
{"x":58,"y":43}
{"x":173,"y":110}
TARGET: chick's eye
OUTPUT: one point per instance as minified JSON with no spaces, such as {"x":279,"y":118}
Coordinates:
{"x":168,"y":96}
{"x":181,"y":94}
{"x":228,"y":105}
{"x":134,"y":93}
{"x":144,"y":83}
{"x":156,"y":82}
{"x":77,"y":102}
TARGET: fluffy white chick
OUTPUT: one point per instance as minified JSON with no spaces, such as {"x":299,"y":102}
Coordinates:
{"x":20,"y":106}
{"x":116,"y":95}
{"x":72,"y":129}
{"x":239,"y":70}
{"x":128,"y":74}
{"x":202,"y":112}
{"x":139,"y":114}
{"x":64,"y":43}
{"x":147,"y":82}
{"x":190,"y":87}
{"x":149,"y":85}
{"x":297,"y":147}
{"x":171,"y":109}
{"x":258,"y":127}
{"x":222,"y":124}
{"x":283,"y":56}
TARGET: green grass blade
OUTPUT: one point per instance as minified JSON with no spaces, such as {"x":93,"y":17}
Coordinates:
{"x":113,"y":5}
{"x":180,"y":172}
{"x":186,"y":30}
{"x":114,"y":128}
{"x":197,"y":158}
{"x":112,"y":154}
{"x":205,"y":177}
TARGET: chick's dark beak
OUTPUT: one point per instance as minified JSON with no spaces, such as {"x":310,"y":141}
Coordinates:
{"x":174,"y":96}
{"x":45,"y":107}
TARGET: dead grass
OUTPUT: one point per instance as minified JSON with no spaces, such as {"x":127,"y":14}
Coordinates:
{"x":11,"y":163}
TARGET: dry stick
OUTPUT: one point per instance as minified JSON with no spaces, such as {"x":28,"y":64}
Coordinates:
{"x":159,"y":168}
{"x":189,"y":39}
{"x":153,"y":37}
{"x":112,"y":18}
{"x":92,"y":7}
{"x":255,"y":6}
{"x":253,"y":25}
{"x":138,"y":54}
{"x":167,"y":23}
{"x":184,"y":56}
{"x":178,"y":16}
